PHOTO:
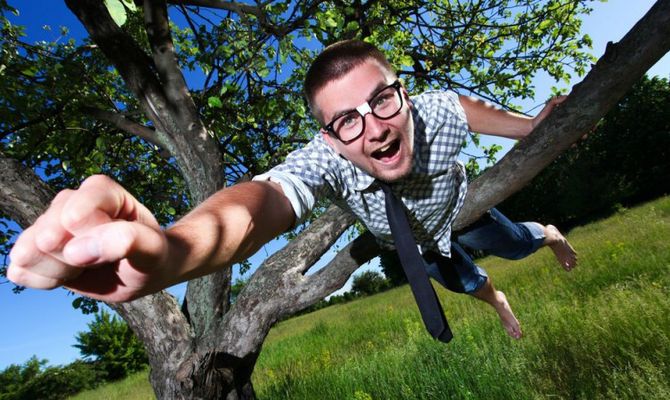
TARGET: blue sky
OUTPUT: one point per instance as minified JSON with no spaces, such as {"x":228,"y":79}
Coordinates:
{"x":43,"y":323}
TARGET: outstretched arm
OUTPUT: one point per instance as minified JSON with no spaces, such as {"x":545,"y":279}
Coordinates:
{"x":485,"y":118}
{"x":100,"y":241}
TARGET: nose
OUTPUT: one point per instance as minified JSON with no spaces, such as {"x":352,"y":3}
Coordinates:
{"x":375,"y":129}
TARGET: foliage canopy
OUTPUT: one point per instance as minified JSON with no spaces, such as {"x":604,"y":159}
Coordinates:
{"x":67,"y":113}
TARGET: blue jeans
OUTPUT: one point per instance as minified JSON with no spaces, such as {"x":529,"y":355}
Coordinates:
{"x":493,"y":234}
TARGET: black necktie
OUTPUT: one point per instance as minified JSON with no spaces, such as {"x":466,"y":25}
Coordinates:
{"x":414,"y":267}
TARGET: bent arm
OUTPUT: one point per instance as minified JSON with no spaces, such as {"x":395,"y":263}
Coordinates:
{"x":485,"y":118}
{"x":227,"y":228}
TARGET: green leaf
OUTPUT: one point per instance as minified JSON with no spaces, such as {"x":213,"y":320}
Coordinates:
{"x":214,"y":102}
{"x":31,"y":72}
{"x":100,"y":143}
{"x":331,"y":23}
{"x":406,"y":60}
{"x":545,"y":24}
{"x":117,"y":11}
{"x":76,"y":303}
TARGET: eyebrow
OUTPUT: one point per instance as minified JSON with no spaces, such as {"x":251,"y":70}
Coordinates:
{"x":375,"y":91}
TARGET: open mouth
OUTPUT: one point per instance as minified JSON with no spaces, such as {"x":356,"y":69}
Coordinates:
{"x":387,"y":152}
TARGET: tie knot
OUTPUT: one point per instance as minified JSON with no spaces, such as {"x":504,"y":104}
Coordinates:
{"x":386,"y":188}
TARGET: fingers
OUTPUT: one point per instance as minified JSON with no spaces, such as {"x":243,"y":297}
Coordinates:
{"x":549,"y":106}
{"x":26,"y":255}
{"x":85,"y":228}
{"x":557,"y":100}
{"x":35,"y":255}
{"x":100,"y":200}
{"x":142,"y":245}
{"x":24,"y":277}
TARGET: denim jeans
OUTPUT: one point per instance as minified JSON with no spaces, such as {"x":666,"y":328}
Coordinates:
{"x":493,"y":234}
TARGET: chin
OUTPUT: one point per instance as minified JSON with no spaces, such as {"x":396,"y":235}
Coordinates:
{"x":394,"y":175}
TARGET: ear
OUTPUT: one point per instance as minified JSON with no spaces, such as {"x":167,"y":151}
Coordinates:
{"x":405,"y":96}
{"x":329,"y":139}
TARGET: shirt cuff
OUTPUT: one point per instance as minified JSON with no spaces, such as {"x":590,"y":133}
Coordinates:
{"x":301,"y":198}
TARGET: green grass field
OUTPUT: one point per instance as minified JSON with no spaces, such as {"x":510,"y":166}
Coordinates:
{"x":600,"y":331}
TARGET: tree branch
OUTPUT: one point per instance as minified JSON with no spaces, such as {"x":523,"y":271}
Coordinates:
{"x":124,"y":124}
{"x":131,"y":61}
{"x":41,"y":118}
{"x":620,"y":67}
{"x":24,"y":196}
{"x":277,"y":284}
{"x":236,"y":7}
{"x":165,"y":59}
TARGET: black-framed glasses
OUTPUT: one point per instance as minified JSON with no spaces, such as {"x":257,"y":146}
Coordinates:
{"x":386,"y":103}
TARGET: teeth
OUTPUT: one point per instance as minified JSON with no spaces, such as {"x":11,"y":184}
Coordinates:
{"x":383,"y":149}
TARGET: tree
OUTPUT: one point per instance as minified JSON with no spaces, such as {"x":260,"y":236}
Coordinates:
{"x":119,"y":104}
{"x":112,"y":345}
{"x":14,"y":378}
{"x":34,"y":380}
{"x":390,"y":264}
{"x":368,"y":282}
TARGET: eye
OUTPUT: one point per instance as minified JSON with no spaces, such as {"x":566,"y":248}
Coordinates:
{"x":383,"y":99}
{"x":347,"y":121}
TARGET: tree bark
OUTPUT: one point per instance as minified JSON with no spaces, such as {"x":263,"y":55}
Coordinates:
{"x":211,"y":354}
{"x":24,"y":196}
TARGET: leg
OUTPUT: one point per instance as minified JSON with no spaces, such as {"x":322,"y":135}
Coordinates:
{"x":498,"y":301}
{"x":497,"y":235}
{"x":460,"y":274}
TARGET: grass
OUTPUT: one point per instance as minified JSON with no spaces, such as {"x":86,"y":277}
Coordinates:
{"x":134,"y":387}
{"x":601,"y":331}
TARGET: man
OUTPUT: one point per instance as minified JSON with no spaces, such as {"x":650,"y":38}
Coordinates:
{"x":100,"y":242}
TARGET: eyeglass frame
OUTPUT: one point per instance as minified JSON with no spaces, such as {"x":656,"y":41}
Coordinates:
{"x":365,"y":109}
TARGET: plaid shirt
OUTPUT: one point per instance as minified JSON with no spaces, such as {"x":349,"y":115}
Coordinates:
{"x":433,"y":192}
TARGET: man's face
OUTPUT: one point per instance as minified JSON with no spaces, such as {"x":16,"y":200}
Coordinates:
{"x":385,"y":148}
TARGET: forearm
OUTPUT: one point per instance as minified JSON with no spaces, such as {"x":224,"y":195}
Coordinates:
{"x":227,"y":228}
{"x":487,"y":119}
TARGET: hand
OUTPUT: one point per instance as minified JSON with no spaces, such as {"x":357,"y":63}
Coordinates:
{"x":98,"y":241}
{"x":548,"y":108}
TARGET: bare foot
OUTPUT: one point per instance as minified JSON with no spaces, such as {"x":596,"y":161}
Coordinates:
{"x":565,"y":254}
{"x":507,"y":318}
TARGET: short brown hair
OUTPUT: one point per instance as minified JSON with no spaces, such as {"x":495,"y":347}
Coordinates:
{"x":334,"y":62}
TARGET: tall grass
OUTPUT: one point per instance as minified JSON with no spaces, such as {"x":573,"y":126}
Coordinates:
{"x":601,"y":331}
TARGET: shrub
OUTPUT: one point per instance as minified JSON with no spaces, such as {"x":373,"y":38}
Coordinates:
{"x":113,"y":345}
{"x":33,"y":381}
{"x":59,"y":382}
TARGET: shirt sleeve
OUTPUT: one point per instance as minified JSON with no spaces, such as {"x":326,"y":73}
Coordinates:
{"x":307,"y":175}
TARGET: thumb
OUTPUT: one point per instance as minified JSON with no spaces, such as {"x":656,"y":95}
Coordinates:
{"x":144,"y":246}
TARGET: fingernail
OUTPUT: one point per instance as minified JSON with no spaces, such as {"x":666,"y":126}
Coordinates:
{"x":84,"y":250}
